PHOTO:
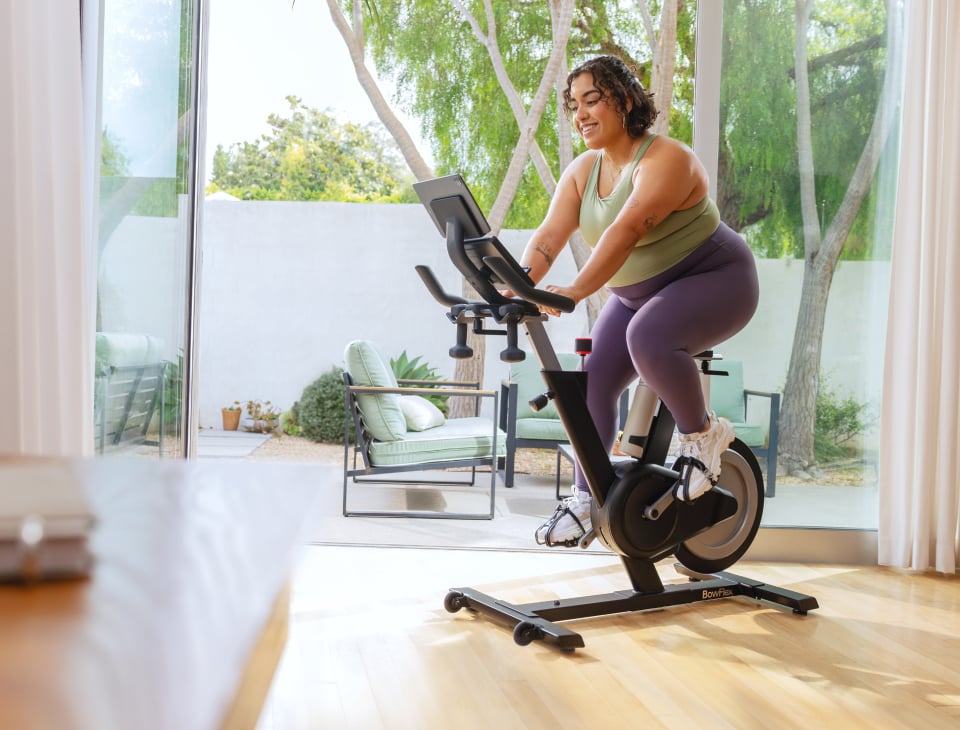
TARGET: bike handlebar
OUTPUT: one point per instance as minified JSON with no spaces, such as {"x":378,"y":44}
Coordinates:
{"x":523,"y":290}
{"x":436,"y":289}
{"x":509,"y":276}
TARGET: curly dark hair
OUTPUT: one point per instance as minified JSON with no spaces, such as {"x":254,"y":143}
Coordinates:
{"x":618,"y":83}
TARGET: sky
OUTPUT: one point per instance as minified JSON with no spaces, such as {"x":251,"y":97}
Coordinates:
{"x":261,"y":51}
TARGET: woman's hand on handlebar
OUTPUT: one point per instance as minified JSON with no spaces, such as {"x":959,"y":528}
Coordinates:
{"x":565,"y":291}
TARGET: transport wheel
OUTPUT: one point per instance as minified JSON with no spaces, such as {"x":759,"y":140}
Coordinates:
{"x":525,"y":632}
{"x":454,"y":601}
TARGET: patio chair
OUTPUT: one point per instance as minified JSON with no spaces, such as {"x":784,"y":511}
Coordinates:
{"x":529,"y":429}
{"x":396,"y":430}
{"x":760,"y":431}
{"x":128,"y":390}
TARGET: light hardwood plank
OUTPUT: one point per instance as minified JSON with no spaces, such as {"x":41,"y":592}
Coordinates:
{"x":372,"y":647}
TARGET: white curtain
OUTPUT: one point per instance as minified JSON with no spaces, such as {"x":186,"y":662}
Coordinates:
{"x":46,"y":323}
{"x":920,"y":427}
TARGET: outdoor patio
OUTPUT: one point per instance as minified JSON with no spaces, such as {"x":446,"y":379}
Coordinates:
{"x":808,"y":505}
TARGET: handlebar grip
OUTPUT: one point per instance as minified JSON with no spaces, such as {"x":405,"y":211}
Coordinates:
{"x":523,"y":290}
{"x":435,"y":288}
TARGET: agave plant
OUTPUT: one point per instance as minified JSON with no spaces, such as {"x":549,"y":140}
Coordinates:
{"x":406,"y":369}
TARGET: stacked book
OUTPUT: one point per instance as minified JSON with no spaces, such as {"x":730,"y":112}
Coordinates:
{"x":45,"y":522}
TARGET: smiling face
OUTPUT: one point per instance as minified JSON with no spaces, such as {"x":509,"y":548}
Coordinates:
{"x":594,"y":113}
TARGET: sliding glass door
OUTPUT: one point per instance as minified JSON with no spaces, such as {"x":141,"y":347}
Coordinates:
{"x":146,"y":219}
{"x":798,"y":106}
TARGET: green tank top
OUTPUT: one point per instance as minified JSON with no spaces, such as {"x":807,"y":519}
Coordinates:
{"x":667,"y":244}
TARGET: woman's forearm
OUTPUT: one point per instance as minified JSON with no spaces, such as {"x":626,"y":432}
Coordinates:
{"x":611,"y":252}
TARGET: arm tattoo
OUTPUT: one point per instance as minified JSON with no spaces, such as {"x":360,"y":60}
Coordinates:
{"x":545,"y":253}
{"x":650,"y":222}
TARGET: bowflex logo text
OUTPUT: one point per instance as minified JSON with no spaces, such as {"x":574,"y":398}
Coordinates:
{"x":718,"y":593}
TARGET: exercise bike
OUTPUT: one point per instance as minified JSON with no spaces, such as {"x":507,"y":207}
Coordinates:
{"x":634,"y":511}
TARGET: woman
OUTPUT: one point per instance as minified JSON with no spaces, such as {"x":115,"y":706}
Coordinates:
{"x":680,"y":280}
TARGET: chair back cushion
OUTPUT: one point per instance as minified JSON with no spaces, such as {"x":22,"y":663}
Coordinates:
{"x":530,"y":383}
{"x":726,"y":392}
{"x":122,"y":348}
{"x":381,"y":413}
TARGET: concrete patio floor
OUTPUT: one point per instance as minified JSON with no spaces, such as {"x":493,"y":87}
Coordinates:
{"x":795,"y":505}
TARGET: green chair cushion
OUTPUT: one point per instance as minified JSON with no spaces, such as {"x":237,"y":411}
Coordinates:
{"x":752,"y":434}
{"x":726,"y":392}
{"x":124,"y":348}
{"x":726,"y":399}
{"x":457,"y":438}
{"x":526,"y":375}
{"x":381,"y":413}
{"x":541,"y":429}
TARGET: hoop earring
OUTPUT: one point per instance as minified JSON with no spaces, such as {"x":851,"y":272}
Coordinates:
{"x":623,"y":121}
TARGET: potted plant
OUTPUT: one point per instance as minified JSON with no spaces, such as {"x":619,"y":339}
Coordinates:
{"x":261,"y":417}
{"x":231,"y":416}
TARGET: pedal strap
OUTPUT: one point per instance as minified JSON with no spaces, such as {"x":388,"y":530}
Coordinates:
{"x":685,"y":465}
{"x":561,"y":510}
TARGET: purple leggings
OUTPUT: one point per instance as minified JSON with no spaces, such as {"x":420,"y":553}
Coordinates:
{"x":651,"y":329}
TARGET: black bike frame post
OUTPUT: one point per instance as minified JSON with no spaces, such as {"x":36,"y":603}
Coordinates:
{"x":570,"y":399}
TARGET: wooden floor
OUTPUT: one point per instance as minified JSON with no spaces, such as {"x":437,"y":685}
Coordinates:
{"x":371,"y":646}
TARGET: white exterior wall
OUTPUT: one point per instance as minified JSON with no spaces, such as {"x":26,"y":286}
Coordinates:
{"x":284,"y":287}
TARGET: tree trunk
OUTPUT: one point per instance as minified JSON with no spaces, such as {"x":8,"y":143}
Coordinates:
{"x":469,"y":370}
{"x":798,"y":415}
{"x":528,"y":127}
{"x":354,"y":41}
{"x":665,"y":58}
{"x":472,"y":369}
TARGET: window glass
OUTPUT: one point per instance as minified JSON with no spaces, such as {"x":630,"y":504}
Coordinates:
{"x":798,"y":177}
{"x":145,"y":227}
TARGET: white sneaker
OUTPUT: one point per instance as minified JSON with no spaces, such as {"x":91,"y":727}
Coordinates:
{"x":569,"y":523}
{"x":699,"y":460}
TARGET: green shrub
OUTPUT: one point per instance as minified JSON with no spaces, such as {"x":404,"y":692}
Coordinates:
{"x":290,"y":421}
{"x":320,"y":410}
{"x":838,"y":421}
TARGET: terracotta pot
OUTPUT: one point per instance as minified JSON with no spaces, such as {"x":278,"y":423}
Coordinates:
{"x":231,"y":418}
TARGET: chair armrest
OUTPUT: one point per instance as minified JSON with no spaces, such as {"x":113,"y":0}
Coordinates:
{"x":773,"y":429}
{"x":762,"y":393}
{"x":441,"y":383}
{"x":772,"y":396}
{"x":442,"y":388}
{"x":382,"y":390}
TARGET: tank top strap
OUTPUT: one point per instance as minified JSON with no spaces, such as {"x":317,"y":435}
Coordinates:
{"x":642,"y":150}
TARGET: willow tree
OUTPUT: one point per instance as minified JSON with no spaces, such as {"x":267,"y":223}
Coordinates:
{"x":480,"y":77}
{"x":821,"y":246}
{"x":803,"y":121}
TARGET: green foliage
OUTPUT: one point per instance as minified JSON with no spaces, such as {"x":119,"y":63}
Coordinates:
{"x":113,"y":161}
{"x":406,"y":369}
{"x":170,"y":409}
{"x":320,"y":410}
{"x":838,"y":421}
{"x":290,"y":421}
{"x":444,"y":77}
{"x":310,"y":155}
{"x":758,"y":182}
{"x":264,"y":414}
